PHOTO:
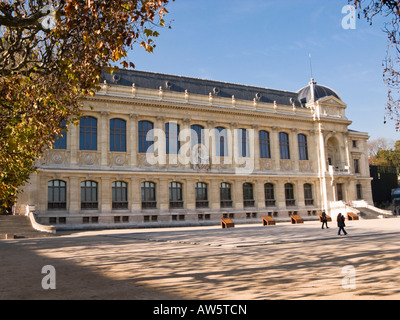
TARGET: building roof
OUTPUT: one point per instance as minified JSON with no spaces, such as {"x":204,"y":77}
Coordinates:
{"x":150,"y":80}
{"x":320,"y":91}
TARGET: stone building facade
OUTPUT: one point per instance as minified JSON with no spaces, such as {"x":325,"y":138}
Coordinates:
{"x":155,"y":149}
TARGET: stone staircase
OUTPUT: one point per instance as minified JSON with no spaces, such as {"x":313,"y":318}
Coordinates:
{"x":367,"y":213}
{"x":15,"y":227}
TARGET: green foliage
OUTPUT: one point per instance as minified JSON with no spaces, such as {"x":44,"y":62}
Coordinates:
{"x":44,"y":72}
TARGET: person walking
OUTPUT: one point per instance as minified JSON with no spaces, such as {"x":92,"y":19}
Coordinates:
{"x":324,"y":220}
{"x":341,"y":224}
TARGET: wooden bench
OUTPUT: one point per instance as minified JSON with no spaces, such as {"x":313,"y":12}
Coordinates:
{"x":352,"y":216}
{"x":328,"y":218}
{"x":227,"y":223}
{"x":295,"y":219}
{"x":268,"y":221}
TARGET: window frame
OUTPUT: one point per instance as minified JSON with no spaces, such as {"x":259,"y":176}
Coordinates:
{"x":269,"y":193}
{"x":248,"y":194}
{"x":89,"y":195}
{"x":175,"y":195}
{"x":264,"y":144}
{"x":284,"y":146}
{"x":53,"y":192}
{"x":302,"y":146}
{"x":119,"y":192}
{"x":88,"y":133}
{"x":225,"y":194}
{"x":289,"y":195}
{"x":148,"y":195}
{"x":201,"y":189}
{"x":144,"y":145}
{"x":117,"y":135}
{"x":308,"y":194}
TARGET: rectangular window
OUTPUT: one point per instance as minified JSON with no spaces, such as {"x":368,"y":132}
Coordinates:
{"x":356,"y":166}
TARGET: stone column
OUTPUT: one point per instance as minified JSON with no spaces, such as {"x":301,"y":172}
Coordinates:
{"x":275,"y":147}
{"x":299,"y":193}
{"x":237,"y":189}
{"x":163,"y":194}
{"x":103,"y":133}
{"x":214,"y":194}
{"x":105,"y":195}
{"x":256,"y":147}
{"x":259,"y":195}
{"x":132,"y":139}
{"x":135,"y":193}
{"x":73,"y":143}
{"x":312,"y":145}
{"x":280,"y":194}
{"x":74,"y":194}
{"x":189,"y":196}
{"x":294,"y":149}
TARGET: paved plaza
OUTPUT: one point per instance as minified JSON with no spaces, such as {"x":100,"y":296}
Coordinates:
{"x":246,"y":262}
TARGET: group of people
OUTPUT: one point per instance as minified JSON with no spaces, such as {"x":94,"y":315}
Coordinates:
{"x":340,"y":222}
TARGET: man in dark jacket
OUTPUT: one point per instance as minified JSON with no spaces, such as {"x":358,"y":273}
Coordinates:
{"x":324,"y":220}
{"x":340,"y":224}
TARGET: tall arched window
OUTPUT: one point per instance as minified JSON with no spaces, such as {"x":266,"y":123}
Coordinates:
{"x":148,"y":195}
{"x":263,"y":138}
{"x":146,"y":138}
{"x":56,"y":194}
{"x":243,"y":143}
{"x":248,"y":195}
{"x":303,"y":149}
{"x":118,"y":135}
{"x":308,"y":196}
{"x":225,"y":195}
{"x":269,"y":195}
{"x":172,"y":143}
{"x":119,"y":195}
{"x":89,"y":193}
{"x":197,"y":134}
{"x":201,"y":195}
{"x":221,"y":142}
{"x":284,"y":145}
{"x":88,"y":133}
{"x":289,"y":195}
{"x":61,"y":139}
{"x":175,"y":195}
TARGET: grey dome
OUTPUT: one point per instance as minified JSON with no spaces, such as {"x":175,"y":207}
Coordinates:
{"x":320,"y":91}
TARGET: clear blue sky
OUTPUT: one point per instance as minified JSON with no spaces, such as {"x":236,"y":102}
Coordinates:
{"x":267,"y":43}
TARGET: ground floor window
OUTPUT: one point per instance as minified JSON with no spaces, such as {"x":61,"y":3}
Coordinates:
{"x":225,"y":195}
{"x":175,"y":195}
{"x":89,"y":193}
{"x":56,"y":195}
{"x":289,"y":195}
{"x":148,"y":195}
{"x":119,"y":195}
{"x":201,"y":195}
{"x":308,"y":197}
